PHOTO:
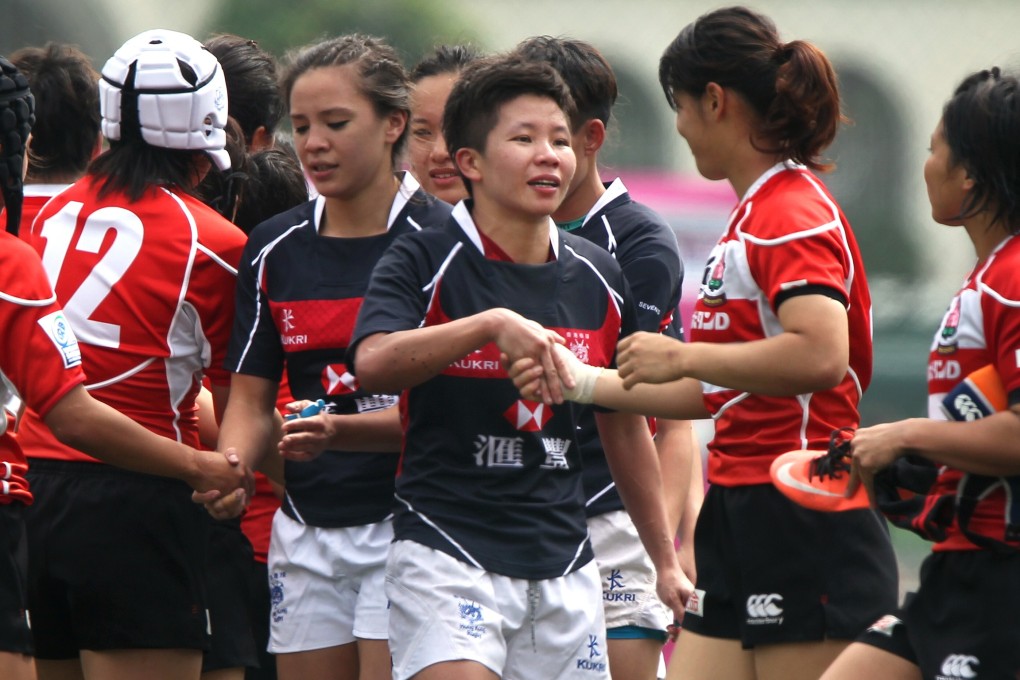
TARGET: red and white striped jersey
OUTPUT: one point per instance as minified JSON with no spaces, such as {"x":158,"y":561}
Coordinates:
{"x":981,"y":326}
{"x":148,"y":287}
{"x":787,"y":237}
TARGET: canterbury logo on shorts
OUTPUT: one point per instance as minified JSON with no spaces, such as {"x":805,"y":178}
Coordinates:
{"x":765,"y":609}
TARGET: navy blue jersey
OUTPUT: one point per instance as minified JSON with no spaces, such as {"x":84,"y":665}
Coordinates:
{"x":298,"y":294}
{"x":646,"y":249}
{"x":485,"y":476}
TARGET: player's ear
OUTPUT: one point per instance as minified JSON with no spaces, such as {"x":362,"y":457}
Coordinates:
{"x":968,"y":182}
{"x":714,"y":99}
{"x":396,"y":121}
{"x":594,"y":134}
{"x":469,"y":163}
{"x":261,"y":139}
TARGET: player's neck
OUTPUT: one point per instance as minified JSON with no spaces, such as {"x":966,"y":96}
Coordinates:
{"x":581,"y":198}
{"x":985,"y":235}
{"x":69,"y":177}
{"x":524,"y":238}
{"x":365,"y":213}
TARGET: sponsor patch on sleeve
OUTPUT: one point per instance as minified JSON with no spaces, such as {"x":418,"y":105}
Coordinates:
{"x":60,"y":334}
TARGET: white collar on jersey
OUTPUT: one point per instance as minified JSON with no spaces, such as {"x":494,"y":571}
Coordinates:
{"x":612,"y":192}
{"x":408,"y":186}
{"x":769,"y":174}
{"x":44,"y":190}
{"x":467,"y":224}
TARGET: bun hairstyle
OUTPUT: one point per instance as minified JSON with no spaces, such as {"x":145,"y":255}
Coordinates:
{"x":17,"y":114}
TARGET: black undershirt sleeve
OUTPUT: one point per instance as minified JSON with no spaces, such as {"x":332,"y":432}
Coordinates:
{"x":837,"y":295}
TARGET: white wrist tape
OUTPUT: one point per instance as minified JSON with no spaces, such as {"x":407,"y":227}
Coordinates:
{"x":584,"y":376}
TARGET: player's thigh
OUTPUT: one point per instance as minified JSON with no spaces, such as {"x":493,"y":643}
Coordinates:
{"x":635,"y":659}
{"x":455,"y":670}
{"x":15,"y":666}
{"x":699,"y":657}
{"x":151,"y":664}
{"x":64,"y":669}
{"x":865,"y":661}
{"x":339,"y":662}
{"x":374,"y":660}
{"x":224,"y":674}
{"x":796,"y":660}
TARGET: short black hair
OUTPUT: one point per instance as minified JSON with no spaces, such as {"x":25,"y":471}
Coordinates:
{"x":253,"y":90}
{"x":66,"y":90}
{"x":473,"y":106}
{"x":444,"y":59}
{"x":586,"y":72}
{"x":275,"y":183}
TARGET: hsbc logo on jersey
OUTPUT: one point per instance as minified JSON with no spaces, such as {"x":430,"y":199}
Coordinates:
{"x":337,"y":380}
{"x":528,"y":416}
{"x":765,"y":609}
{"x":958,"y":667}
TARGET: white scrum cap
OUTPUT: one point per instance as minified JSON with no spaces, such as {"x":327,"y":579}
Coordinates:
{"x":180,"y":92}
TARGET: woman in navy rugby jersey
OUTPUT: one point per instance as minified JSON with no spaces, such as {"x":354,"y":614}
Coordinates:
{"x":491,"y":573}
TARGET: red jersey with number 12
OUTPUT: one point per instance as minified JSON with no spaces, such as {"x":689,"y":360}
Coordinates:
{"x":148,"y":287}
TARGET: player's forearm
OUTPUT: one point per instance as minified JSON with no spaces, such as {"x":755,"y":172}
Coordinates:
{"x":84,"y":423}
{"x":680,"y":400}
{"x":377,"y":431}
{"x":988,"y":446}
{"x":673,"y":442}
{"x":811,"y":353}
{"x":250,"y":422}
{"x":695,"y":496}
{"x":387,"y":363}
{"x":634,"y":465}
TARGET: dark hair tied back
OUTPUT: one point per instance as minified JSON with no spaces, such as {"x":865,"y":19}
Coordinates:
{"x":981,"y":124}
{"x":17,"y":114}
{"x":790,"y":87}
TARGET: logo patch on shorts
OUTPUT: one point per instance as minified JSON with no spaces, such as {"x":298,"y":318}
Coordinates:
{"x":959,"y":667}
{"x":696,"y":603}
{"x":471,"y":621}
{"x":885,"y":625}
{"x":279,"y":612}
{"x":59,"y":332}
{"x":595,"y":661}
{"x":765,"y":610}
{"x":617,"y":591}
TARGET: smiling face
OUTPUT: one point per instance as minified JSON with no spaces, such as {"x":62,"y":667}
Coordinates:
{"x":527,"y":163}
{"x":430,"y":161}
{"x":343,"y":144}
{"x":692,"y":125}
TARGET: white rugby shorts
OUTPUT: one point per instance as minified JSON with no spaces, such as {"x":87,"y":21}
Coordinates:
{"x":443,"y":609}
{"x":327,"y":586}
{"x":627,"y":573}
